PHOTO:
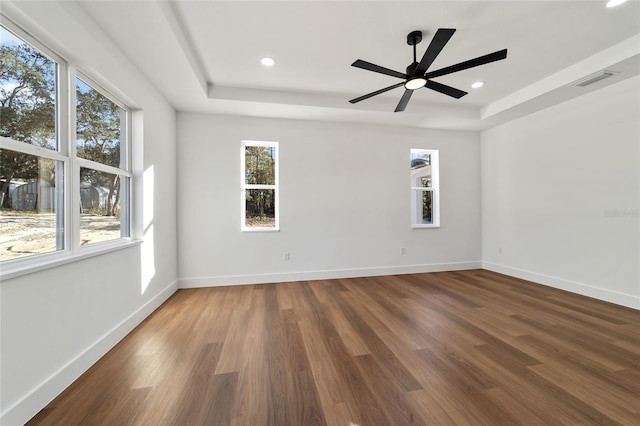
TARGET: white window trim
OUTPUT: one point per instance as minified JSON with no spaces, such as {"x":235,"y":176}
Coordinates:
{"x":434,"y":189}
{"x":65,"y":113}
{"x":244,"y":186}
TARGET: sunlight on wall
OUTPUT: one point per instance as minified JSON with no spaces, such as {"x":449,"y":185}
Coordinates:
{"x":147,"y":197}
{"x":147,"y":252}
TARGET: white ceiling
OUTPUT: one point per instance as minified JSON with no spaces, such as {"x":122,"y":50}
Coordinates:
{"x":204,"y":55}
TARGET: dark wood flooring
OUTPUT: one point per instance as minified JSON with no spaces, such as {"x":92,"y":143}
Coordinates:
{"x":450,"y":348}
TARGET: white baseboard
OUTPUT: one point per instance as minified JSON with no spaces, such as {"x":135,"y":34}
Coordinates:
{"x":225,"y":280}
{"x":28,"y":406}
{"x":628,"y":300}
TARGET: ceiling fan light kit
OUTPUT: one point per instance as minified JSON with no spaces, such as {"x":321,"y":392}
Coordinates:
{"x":417,"y":77}
{"x":415,"y":83}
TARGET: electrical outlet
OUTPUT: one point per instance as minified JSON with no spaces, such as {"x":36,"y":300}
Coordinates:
{"x":403,"y":250}
{"x":286,"y":255}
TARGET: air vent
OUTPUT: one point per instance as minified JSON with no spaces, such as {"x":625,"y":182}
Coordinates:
{"x":595,"y":77}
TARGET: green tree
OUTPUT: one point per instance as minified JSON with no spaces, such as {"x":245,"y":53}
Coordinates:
{"x":98,"y":139}
{"x":260,"y":170}
{"x":27,"y":110}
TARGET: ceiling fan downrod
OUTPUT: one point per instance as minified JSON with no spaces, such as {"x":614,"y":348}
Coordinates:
{"x":413,"y":38}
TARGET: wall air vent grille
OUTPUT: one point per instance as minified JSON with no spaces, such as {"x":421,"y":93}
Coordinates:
{"x":593,"y":78}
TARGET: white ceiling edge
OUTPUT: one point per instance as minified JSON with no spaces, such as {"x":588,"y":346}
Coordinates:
{"x":623,"y":58}
{"x":185,"y":41}
{"x":626,"y":69}
{"x":437,"y":118}
{"x":330,"y":100}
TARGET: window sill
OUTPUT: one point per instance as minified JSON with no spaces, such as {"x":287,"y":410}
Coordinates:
{"x":250,"y":230}
{"x":424,"y":226}
{"x":43,"y":262}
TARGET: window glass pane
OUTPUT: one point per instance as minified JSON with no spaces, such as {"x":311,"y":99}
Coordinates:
{"x":98,"y":126}
{"x":424,"y":188}
{"x":427,"y":207}
{"x":27,"y":93}
{"x":260,"y":208}
{"x":30,"y":208}
{"x":422,"y":207}
{"x":420,"y":170}
{"x":425,"y":181}
{"x":260,"y":165}
{"x":419,"y":159}
{"x":99,"y":206}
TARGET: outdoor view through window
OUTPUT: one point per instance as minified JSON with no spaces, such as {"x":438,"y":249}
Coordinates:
{"x":424,"y":188}
{"x":30,"y":211}
{"x":260,"y":180}
{"x":35,"y":154}
{"x":98,"y":124}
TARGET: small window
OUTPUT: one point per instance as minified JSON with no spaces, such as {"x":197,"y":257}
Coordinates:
{"x":425,"y":206}
{"x":259,"y":186}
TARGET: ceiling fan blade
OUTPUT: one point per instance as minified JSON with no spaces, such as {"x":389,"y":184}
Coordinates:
{"x":491,"y":57}
{"x":377,"y":92}
{"x":404,"y":100}
{"x":447,"y":90}
{"x":440,"y":39}
{"x":377,"y":68}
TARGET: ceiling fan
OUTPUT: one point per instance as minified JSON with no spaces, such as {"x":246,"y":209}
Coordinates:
{"x":417,"y":76}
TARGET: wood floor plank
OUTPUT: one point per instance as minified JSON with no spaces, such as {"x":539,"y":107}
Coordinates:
{"x":447,"y":348}
{"x":379,"y":349}
{"x":352,"y":340}
{"x":202,"y":386}
{"x":374,"y":314}
{"x":623,"y":411}
{"x":394,"y":400}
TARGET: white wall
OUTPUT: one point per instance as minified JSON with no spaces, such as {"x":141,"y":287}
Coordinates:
{"x":58,"y":322}
{"x":560,"y":195}
{"x":344,"y":202}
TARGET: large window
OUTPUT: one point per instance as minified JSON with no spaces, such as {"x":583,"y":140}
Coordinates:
{"x":65,"y":161}
{"x":425,"y":201}
{"x":259,"y":186}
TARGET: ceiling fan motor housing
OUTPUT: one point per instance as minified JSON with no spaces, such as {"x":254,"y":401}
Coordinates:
{"x":411,"y":69}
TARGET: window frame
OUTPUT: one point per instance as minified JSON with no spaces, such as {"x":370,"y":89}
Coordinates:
{"x":434,"y":162}
{"x":124,"y":171}
{"x":245,"y":186}
{"x":65,"y":124}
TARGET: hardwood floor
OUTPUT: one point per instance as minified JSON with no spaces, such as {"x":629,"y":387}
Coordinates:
{"x":469,"y":347}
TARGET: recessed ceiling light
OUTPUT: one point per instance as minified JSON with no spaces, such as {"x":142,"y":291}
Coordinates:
{"x":477,"y":84}
{"x":614,"y":3}
{"x":268,"y":62}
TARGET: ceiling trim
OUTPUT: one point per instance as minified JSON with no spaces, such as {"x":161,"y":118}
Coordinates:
{"x":620,"y":57}
{"x":185,"y":40}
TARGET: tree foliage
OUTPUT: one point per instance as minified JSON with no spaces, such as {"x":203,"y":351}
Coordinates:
{"x":27,"y":95}
{"x":98,"y":128}
{"x":260,"y":170}
{"x":27,"y":110}
{"x":98,"y":139}
{"x":28,"y":114}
